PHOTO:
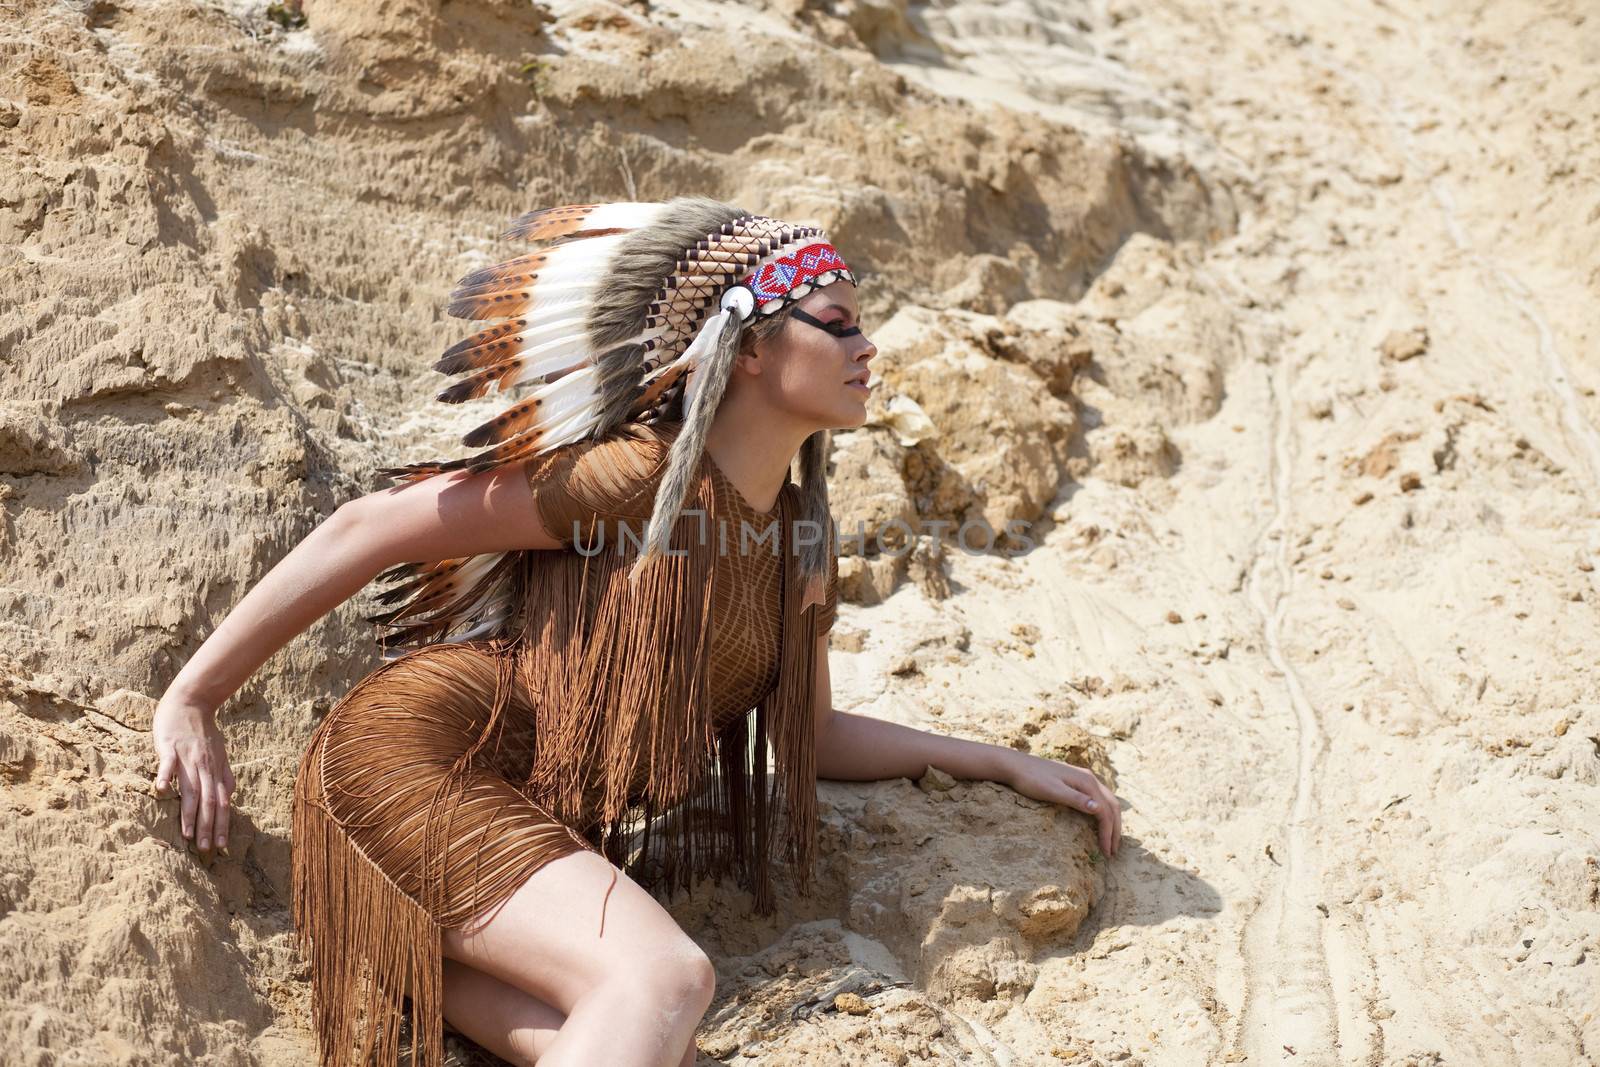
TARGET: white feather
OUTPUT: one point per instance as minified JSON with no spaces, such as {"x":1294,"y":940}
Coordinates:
{"x":552,"y":356}
{"x":581,"y":257}
{"x":533,"y":336}
{"x":564,"y":284}
{"x":547,"y":320}
{"x":490,"y":602}
{"x":496,"y":604}
{"x":570,"y":429}
{"x":484,"y":627}
{"x":650,"y":377}
{"x":624,"y":215}
{"x":563,"y":298}
{"x":565,"y":393}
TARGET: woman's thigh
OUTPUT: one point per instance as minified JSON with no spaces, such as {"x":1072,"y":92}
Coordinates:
{"x":546,"y":939}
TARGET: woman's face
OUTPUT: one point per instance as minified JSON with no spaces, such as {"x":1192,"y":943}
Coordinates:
{"x":810,"y":373}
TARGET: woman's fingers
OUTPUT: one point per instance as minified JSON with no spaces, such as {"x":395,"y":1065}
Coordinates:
{"x":1116,"y":816}
{"x":1106,"y":809}
{"x":1078,"y":800}
{"x":1112,"y":816}
{"x":1077,"y":788}
{"x":206,"y":800}
{"x":1116,"y":806}
{"x":208,"y":809}
{"x":164,"y":773}
{"x":1109,"y":805}
{"x":224,"y":805}
{"x":1106,"y":818}
{"x":1102,"y":810}
{"x":189,"y":797}
{"x":194,"y":763}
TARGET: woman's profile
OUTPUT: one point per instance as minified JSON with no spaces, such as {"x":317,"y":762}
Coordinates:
{"x":606,"y":669}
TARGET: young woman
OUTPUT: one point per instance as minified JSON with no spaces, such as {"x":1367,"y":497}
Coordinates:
{"x":614,"y":614}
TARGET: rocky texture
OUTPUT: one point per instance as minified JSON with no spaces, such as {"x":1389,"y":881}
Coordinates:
{"x":227,"y":240}
{"x":1270,"y":321}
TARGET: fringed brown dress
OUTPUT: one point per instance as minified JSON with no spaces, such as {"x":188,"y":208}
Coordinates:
{"x":442,"y":780}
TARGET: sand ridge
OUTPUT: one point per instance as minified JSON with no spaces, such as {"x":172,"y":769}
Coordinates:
{"x":1300,"y":299}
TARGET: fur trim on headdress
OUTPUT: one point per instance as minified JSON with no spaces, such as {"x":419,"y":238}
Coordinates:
{"x":605,"y":324}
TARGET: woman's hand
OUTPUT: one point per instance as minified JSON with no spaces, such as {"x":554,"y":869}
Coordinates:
{"x":191,"y":752}
{"x":1062,"y":783}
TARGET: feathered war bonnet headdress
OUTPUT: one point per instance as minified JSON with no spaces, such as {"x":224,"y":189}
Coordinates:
{"x":633,"y":312}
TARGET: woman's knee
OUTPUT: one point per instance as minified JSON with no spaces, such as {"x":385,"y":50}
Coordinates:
{"x":679,"y":978}
{"x":546,"y":939}
{"x":697,"y":976}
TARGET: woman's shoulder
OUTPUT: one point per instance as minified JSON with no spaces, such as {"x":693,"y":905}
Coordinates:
{"x":632,"y":448}
{"x":616,"y":475}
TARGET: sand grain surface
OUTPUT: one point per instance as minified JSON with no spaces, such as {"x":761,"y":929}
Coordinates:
{"x":1276,"y":324}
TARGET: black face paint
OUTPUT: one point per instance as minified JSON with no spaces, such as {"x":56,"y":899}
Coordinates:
{"x":826,"y":327}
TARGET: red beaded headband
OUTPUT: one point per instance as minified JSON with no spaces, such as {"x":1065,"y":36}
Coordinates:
{"x":793,"y":274}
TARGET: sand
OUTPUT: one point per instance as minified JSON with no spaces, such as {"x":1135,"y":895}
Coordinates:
{"x":1276,"y":324}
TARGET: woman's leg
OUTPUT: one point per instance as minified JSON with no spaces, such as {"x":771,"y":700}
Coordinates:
{"x":632,"y":998}
{"x":503,"y":1019}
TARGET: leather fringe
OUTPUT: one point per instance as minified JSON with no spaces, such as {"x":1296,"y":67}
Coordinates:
{"x":631,"y":739}
{"x":370,"y":946}
{"x":604,"y":694}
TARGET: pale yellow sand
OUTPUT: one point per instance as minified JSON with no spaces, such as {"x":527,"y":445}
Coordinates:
{"x":1278,"y":321}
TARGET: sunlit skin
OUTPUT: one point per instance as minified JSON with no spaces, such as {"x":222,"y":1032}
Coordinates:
{"x":788,"y":388}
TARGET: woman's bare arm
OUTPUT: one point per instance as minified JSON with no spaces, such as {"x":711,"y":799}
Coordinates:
{"x":861,"y":748}
{"x":453,"y":515}
{"x":440,"y":518}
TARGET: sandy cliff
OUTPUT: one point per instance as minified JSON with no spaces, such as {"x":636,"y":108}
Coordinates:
{"x":1275,"y":323}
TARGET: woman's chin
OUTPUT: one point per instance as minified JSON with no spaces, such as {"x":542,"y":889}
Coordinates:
{"x":852,"y":418}
{"x":849,"y":415}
